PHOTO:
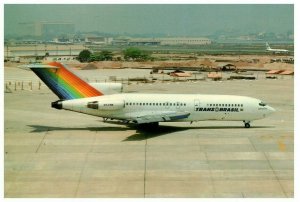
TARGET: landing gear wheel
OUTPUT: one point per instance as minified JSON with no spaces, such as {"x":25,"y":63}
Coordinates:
{"x":247,"y":125}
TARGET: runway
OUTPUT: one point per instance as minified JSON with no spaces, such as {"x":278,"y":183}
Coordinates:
{"x":57,"y":153}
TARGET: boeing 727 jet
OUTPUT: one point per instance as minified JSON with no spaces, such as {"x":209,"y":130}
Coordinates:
{"x":145,"y":109}
{"x":269,"y":49}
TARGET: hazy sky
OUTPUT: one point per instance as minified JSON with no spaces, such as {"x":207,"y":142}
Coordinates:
{"x":180,"y":20}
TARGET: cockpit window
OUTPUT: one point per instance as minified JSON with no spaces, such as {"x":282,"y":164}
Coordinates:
{"x":262,"y":104}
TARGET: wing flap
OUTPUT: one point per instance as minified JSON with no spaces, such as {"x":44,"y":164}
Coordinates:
{"x":160,"y":117}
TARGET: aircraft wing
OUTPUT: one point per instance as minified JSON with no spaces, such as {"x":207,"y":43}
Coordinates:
{"x":159,"y":116}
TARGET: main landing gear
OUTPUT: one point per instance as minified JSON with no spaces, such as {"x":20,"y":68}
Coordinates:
{"x":247,"y":124}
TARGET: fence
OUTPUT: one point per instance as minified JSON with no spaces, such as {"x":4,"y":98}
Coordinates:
{"x":13,"y":85}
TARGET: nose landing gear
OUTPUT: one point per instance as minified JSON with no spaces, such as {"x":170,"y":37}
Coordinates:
{"x":247,"y":124}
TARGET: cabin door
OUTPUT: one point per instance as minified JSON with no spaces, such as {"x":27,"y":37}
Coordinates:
{"x":196,"y":104}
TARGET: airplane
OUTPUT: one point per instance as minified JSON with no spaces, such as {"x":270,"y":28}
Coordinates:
{"x":269,"y":49}
{"x":60,"y":42}
{"x":145,"y":110}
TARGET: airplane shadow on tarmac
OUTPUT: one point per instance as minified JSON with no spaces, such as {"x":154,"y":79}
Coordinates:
{"x":40,"y":128}
{"x":141,"y":133}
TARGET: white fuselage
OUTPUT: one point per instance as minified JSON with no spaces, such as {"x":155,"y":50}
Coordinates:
{"x":277,"y":50}
{"x":200,"y":107}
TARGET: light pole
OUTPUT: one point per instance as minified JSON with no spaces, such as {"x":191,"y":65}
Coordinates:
{"x":7,"y":52}
{"x":45,"y":48}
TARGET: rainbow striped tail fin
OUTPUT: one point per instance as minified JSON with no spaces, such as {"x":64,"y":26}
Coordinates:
{"x":65,"y":84}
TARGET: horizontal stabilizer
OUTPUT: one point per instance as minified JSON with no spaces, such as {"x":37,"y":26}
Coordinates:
{"x":30,"y":66}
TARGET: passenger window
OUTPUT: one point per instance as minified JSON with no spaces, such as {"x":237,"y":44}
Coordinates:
{"x":241,"y":105}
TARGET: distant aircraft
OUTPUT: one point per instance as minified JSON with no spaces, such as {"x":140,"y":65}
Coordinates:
{"x":58,"y":42}
{"x":146,"y":110}
{"x":269,"y":49}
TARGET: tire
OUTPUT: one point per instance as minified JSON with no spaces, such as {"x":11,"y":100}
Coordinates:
{"x":247,"y":125}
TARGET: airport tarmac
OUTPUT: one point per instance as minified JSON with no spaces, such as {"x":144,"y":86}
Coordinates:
{"x":57,"y":153}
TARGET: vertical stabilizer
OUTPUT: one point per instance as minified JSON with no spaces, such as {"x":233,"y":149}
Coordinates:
{"x":268,"y":46}
{"x":65,"y":84}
